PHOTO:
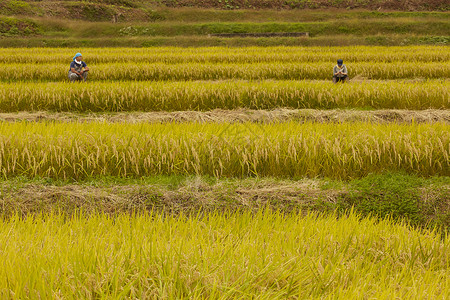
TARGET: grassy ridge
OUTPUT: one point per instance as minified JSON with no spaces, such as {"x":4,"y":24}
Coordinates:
{"x":256,"y":4}
{"x":149,"y":24}
{"x":190,"y":27}
{"x":384,"y":32}
{"x":126,"y":10}
{"x":302,"y":4}
{"x":17,"y":27}
{"x":341,"y":27}
{"x":424,"y":202}
{"x":203,"y":96}
{"x":329,"y":27}
{"x":205,"y":41}
{"x":150,"y":11}
{"x":220,"y":256}
{"x":291,"y":149}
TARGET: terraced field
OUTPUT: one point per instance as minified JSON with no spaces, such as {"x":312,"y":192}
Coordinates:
{"x":206,"y":79}
{"x":148,"y":80}
{"x":228,"y":114}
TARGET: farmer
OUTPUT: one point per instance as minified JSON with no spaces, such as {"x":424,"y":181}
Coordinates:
{"x":340,"y":72}
{"x":78,"y":69}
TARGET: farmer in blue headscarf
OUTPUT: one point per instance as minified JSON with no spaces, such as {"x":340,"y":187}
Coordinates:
{"x":78,"y":69}
{"x":340,"y":72}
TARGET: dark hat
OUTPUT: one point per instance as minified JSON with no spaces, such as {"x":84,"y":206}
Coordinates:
{"x":340,"y":62}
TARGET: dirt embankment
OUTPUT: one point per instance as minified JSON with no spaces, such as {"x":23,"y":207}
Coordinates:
{"x":149,"y":11}
{"x":403,"y":5}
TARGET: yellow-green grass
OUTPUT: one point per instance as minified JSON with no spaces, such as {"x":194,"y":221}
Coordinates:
{"x":204,"y":95}
{"x":347,"y":150}
{"x":238,"y":255}
{"x":217,"y":71}
{"x":418,"y":54}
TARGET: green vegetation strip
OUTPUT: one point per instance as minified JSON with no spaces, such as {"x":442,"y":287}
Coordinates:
{"x":301,"y":4}
{"x":17,"y":27}
{"x":347,"y":150}
{"x":217,"y":71}
{"x":220,"y":256}
{"x":65,"y":40}
{"x":354,"y":27}
{"x":144,"y":27}
{"x":203,"y":96}
{"x":211,"y":10}
{"x":327,"y":28}
{"x":423,"y":202}
{"x":360,"y":28}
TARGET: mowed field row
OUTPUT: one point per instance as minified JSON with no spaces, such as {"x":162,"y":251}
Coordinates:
{"x":240,"y":115}
{"x":212,"y":71}
{"x":375,"y":55}
{"x":207,"y":95}
{"x":342,"y":151}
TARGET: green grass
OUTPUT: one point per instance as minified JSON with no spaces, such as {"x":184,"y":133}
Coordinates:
{"x":302,"y":4}
{"x":396,"y":195}
{"x":359,"y":28}
{"x":196,"y":15}
{"x":11,"y":27}
{"x":239,"y":255}
{"x":204,"y":41}
{"x":140,"y":27}
{"x":315,"y":29}
{"x":220,"y":10}
{"x":424,"y":202}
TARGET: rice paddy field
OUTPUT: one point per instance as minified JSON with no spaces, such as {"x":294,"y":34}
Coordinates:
{"x":255,"y":114}
{"x":231,"y":255}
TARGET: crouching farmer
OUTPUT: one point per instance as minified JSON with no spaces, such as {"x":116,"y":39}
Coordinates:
{"x":78,"y":69}
{"x":340,"y":72}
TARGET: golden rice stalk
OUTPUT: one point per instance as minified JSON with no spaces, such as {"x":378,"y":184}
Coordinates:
{"x":80,"y":150}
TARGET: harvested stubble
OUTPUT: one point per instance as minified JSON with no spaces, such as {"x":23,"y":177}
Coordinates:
{"x":240,"y":116}
{"x":202,"y":96}
{"x":73,"y":150}
{"x":217,"y":71}
{"x":231,"y":255}
{"x":418,"y":54}
{"x":194,"y":194}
